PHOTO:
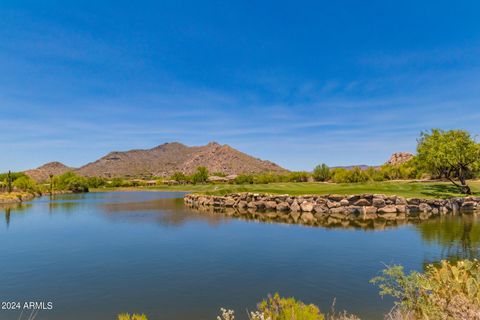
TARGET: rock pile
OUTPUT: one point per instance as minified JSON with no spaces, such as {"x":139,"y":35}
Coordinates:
{"x":311,"y":209}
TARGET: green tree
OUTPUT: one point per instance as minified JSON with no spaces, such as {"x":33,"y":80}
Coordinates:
{"x":321,"y":172}
{"x":25,"y":183}
{"x":180,"y":177}
{"x":200,"y":176}
{"x":452,"y":154}
{"x":96,"y":182}
{"x":72,"y":182}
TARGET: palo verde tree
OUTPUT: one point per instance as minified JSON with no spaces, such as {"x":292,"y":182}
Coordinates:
{"x":321,"y":172}
{"x":200,"y":176}
{"x":452,"y":154}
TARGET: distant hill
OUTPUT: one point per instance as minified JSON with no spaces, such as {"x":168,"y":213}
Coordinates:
{"x":168,"y":158}
{"x":52,"y":168}
{"x":395,"y":159}
{"x":361,"y":166}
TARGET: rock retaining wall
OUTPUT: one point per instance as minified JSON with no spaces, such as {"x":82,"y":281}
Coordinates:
{"x":311,"y":209}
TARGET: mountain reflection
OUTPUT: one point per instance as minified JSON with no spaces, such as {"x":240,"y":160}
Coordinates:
{"x":165,"y":211}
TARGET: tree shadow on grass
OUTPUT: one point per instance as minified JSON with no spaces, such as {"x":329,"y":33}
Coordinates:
{"x":442,"y":191}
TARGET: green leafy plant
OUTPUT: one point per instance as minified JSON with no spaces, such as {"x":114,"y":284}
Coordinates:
{"x":25,"y":183}
{"x":127,"y":316}
{"x":71,"y":182}
{"x":448,"y":291}
{"x":322,"y":172}
{"x":200,"y":176}
{"x":278,"y":308}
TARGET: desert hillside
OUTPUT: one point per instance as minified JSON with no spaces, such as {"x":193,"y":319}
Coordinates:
{"x":168,"y":158}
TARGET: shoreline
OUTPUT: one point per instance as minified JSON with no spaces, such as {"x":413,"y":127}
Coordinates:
{"x":331,"y":209}
{"x":21,"y":197}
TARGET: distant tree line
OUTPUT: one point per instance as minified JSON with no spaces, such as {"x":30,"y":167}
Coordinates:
{"x":451,"y":155}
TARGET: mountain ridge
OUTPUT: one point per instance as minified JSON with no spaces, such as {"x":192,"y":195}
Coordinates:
{"x":165,"y":159}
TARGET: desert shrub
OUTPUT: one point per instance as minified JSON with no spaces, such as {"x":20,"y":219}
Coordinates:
{"x":25,"y":183}
{"x":180,"y":177}
{"x":268,"y":177}
{"x":375,"y":174}
{"x":447,"y":291}
{"x":341,"y":175}
{"x":96,"y":182}
{"x":278,"y":308}
{"x":321,"y":172}
{"x":298,"y":176}
{"x":13,"y":175}
{"x":119,"y":182}
{"x":244,"y":179}
{"x":126,"y":316}
{"x":71,"y":182}
{"x":200,"y":176}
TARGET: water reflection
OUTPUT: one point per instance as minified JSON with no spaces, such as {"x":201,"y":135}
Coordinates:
{"x":165,"y":211}
{"x":459,"y":238}
{"x":147,"y":251}
{"x":12,"y":209}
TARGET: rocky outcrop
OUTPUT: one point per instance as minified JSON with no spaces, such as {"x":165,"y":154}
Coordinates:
{"x":316,"y":210}
{"x":399,"y":158}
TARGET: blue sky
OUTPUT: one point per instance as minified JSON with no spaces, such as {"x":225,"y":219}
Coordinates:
{"x":295,"y":82}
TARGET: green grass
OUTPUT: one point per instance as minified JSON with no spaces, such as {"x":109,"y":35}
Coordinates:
{"x":400,"y":188}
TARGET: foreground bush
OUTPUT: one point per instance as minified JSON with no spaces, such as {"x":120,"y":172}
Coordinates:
{"x":448,"y":291}
{"x":278,"y":308}
{"x":126,"y":316}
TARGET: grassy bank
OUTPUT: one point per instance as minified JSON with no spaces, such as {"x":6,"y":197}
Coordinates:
{"x":15,"y":197}
{"x":400,"y":188}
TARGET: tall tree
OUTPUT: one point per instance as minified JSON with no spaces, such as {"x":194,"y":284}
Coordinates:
{"x":453,"y":154}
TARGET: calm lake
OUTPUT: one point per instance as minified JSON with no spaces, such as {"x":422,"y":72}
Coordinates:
{"x":98,"y":254}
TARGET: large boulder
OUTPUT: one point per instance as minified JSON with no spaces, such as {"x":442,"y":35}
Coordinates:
{"x":387,"y":209}
{"x":283,"y":206}
{"x":306,"y":206}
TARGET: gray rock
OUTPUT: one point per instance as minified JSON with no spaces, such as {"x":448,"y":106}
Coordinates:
{"x":320,"y":208}
{"x":423,"y":207}
{"x":271,"y":205}
{"x":387,"y":209}
{"x":362,"y":202}
{"x":378,"y":202}
{"x":283,"y":206}
{"x":295,"y":206}
{"x":335,"y":197}
{"x":370,"y":210}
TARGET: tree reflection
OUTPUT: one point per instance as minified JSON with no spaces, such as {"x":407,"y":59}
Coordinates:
{"x":10,"y":210}
{"x":458,"y":236}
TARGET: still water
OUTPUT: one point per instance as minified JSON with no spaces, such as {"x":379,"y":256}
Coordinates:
{"x":96,"y":255}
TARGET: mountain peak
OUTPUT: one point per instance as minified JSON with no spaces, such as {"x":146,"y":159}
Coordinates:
{"x":43,"y":172}
{"x":168,"y":158}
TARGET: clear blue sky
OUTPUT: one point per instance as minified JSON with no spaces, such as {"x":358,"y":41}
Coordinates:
{"x":295,"y":82}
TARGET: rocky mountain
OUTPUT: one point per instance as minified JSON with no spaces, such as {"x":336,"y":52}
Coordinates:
{"x":399,"y":158}
{"x":168,"y":158}
{"x":52,"y":168}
